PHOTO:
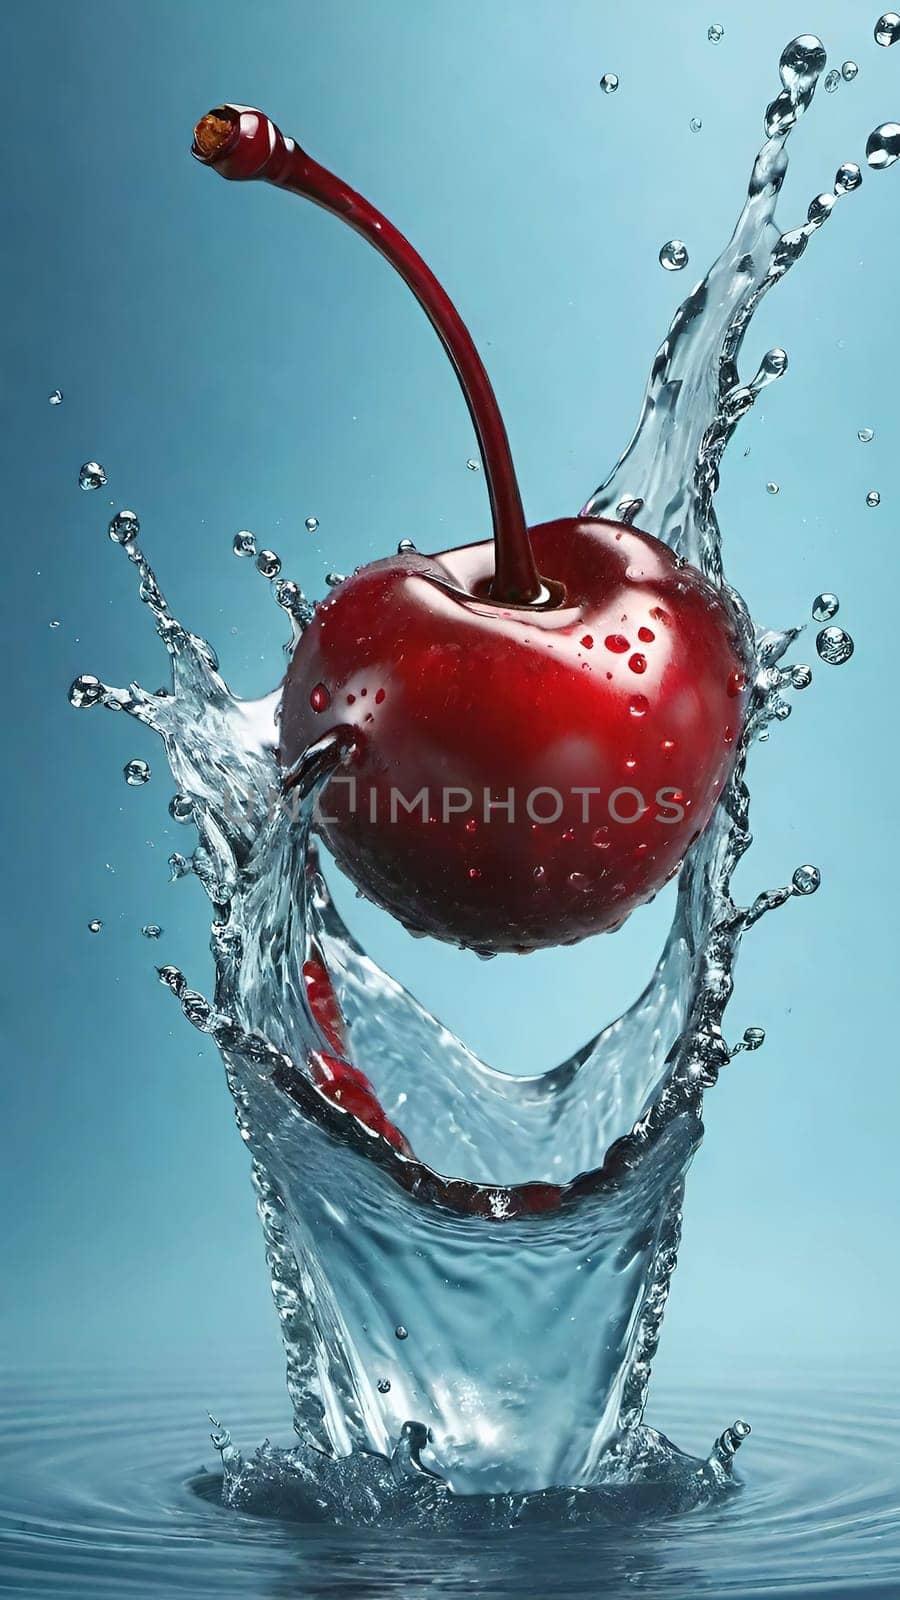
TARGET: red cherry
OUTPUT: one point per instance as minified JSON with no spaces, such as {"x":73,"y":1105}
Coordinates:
{"x":473,"y":691}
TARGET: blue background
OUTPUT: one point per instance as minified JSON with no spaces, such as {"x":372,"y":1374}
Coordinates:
{"x":237,"y":360}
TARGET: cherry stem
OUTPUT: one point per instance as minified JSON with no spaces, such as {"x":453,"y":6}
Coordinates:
{"x":242,"y":143}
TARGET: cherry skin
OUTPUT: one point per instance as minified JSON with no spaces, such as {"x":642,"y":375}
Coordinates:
{"x":568,"y":755}
{"x":539,"y":726}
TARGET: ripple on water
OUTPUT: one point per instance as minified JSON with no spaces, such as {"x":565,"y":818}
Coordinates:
{"x":106,"y":1489}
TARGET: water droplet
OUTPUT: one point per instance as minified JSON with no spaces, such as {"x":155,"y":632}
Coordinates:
{"x":773,"y":488}
{"x":56,"y":398}
{"x":92,"y":476}
{"x":801,"y":62}
{"x":866,"y":435}
{"x":835,"y":646}
{"x":887,"y":29}
{"x":197,"y":1010}
{"x":754,"y":1037}
{"x":85,"y":691}
{"x":617,"y":643}
{"x":820,"y":208}
{"x":639,"y":705}
{"x":873,"y":498}
{"x":801,"y":676}
{"x":715,"y":33}
{"x":268,"y":563}
{"x":384,"y":1385}
{"x":806,"y":880}
{"x":832,"y":81}
{"x":151,"y":930}
{"x":849,"y":71}
{"x":673,"y":255}
{"x":311,"y":524}
{"x":696,"y":124}
{"x":400,"y":1332}
{"x":637,"y":662}
{"x":136,"y":772}
{"x":320,"y":699}
{"x":883,"y":145}
{"x":609,"y":83}
{"x":244,"y":544}
{"x":95,"y":926}
{"x":824,"y":607}
{"x":406,"y":547}
{"x":124,"y":527}
{"x":181,"y":808}
{"x":847,"y":178}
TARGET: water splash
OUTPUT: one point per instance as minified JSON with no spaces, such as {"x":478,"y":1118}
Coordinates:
{"x":396,"y":1196}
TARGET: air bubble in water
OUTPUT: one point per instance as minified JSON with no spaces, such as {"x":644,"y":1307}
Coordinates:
{"x":136,"y":772}
{"x":754,"y":1037}
{"x":151,"y":930}
{"x":887,"y":29}
{"x":873,"y":498}
{"x":85,"y":691}
{"x":124,"y":527}
{"x":696,"y":124}
{"x":92,"y":476}
{"x":179,"y":866}
{"x":715,"y":33}
{"x":609,"y":83}
{"x":628,"y":508}
{"x":244,"y":544}
{"x":847,"y":178}
{"x":849,"y":71}
{"x":384,"y":1385}
{"x":832,"y":81}
{"x":95,"y":926}
{"x":883,"y":145}
{"x":824,"y":607}
{"x":673,"y":255}
{"x":834,"y":646}
{"x":54,"y":623}
{"x":772,"y":487}
{"x":405,"y":547}
{"x":472,"y":464}
{"x":311,"y":524}
{"x":268,"y":563}
{"x":806,"y":880}
{"x":56,"y":398}
{"x":400,"y":1332}
{"x":801,"y":676}
{"x":866,"y":435}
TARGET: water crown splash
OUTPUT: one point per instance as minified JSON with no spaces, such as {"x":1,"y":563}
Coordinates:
{"x":411,"y":1221}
